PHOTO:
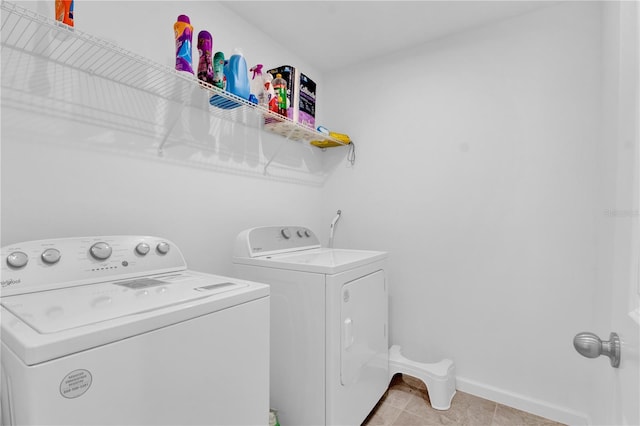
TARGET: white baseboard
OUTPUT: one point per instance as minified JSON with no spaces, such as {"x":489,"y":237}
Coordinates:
{"x":522,"y":402}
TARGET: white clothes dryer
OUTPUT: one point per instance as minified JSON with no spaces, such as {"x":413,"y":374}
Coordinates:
{"x":117,"y":331}
{"x":329,"y":344}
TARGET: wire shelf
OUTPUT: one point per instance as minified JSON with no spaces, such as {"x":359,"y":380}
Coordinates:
{"x":70,"y":70}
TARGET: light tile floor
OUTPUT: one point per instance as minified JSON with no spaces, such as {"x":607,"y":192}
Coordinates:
{"x":406,"y":403}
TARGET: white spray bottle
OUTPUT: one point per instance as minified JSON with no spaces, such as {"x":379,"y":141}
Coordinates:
{"x":258,"y":85}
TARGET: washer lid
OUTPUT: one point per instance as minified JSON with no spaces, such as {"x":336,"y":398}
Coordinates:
{"x":58,"y":310}
{"x":320,"y":260}
{"x":50,"y":324}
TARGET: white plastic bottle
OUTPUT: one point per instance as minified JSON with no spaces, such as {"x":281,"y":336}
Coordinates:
{"x":270,"y":92}
{"x":258,"y":85}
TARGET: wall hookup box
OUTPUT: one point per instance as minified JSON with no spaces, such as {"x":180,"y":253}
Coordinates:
{"x":301,"y":95}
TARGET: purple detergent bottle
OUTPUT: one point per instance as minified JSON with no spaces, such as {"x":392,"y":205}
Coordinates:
{"x":205,"y":65}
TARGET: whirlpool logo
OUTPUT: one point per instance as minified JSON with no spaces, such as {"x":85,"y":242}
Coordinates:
{"x":9,"y":282}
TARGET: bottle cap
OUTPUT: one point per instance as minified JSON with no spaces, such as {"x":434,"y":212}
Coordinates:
{"x":184,"y":18}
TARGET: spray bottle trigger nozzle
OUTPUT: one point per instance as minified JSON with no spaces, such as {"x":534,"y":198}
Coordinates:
{"x":256,"y":70}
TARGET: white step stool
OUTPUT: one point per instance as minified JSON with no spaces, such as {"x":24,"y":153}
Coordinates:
{"x":438,"y":377}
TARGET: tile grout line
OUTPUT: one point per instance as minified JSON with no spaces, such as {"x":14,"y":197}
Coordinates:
{"x":396,"y":417}
{"x":495,"y":410}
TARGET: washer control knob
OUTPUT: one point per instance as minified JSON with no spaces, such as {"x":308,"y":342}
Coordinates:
{"x":163,"y":247}
{"x":100,"y":251}
{"x":307,"y":233}
{"x":300,"y":233}
{"x":285,"y":233}
{"x":142,"y":249}
{"x":17,"y":259}
{"x":51,"y":256}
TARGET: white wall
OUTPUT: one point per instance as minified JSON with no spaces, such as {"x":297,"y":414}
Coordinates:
{"x":56,"y":182}
{"x":476,"y":169}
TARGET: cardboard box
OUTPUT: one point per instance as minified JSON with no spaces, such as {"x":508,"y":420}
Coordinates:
{"x":301,"y":95}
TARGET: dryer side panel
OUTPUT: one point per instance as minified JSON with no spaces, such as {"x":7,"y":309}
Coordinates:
{"x":357,"y":343}
{"x":297,"y":342}
{"x":363,"y":325}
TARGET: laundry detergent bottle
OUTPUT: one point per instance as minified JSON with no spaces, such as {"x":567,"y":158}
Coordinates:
{"x":183,"y":31}
{"x":64,"y":11}
{"x":205,"y":62}
{"x":237,"y":75}
{"x":218,"y":70}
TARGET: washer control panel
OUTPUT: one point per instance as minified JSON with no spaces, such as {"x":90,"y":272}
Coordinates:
{"x":268,"y":240}
{"x":47,"y":264}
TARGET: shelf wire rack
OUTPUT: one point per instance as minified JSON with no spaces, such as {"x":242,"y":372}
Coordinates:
{"x":57,"y":54}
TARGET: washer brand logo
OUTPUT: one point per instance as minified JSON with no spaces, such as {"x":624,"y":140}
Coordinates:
{"x":9,"y":282}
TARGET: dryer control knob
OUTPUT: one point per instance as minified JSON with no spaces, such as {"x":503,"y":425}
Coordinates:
{"x":100,"y":251}
{"x":285,"y":233}
{"x":300,"y":233}
{"x":142,"y":249}
{"x":307,"y":233}
{"x":163,"y":247}
{"x":51,"y":256}
{"x":17,"y":259}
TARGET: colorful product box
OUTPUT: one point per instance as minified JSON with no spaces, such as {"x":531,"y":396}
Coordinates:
{"x":301,"y":95}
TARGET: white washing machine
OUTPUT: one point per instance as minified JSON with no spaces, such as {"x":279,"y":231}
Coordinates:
{"x":329,"y":344}
{"x":117,"y":331}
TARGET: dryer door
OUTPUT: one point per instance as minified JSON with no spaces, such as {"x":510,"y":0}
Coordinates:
{"x":364,"y":343}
